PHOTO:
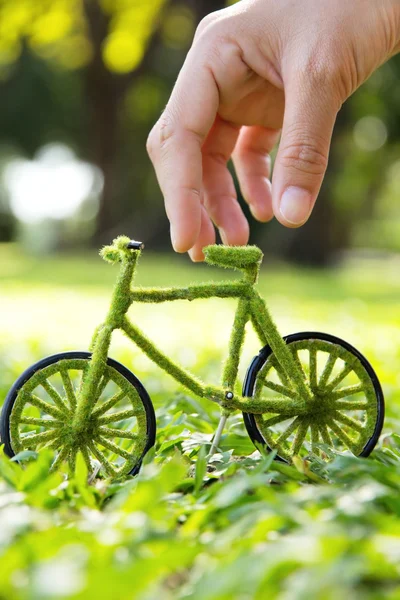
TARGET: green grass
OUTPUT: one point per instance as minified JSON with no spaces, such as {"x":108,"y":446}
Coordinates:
{"x":246,"y":527}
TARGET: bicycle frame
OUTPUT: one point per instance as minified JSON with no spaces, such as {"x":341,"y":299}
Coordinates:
{"x":336,"y":399}
{"x":251,"y":307}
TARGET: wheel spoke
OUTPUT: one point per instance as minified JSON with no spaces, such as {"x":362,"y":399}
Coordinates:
{"x":117,"y":416}
{"x":339,"y":378}
{"x":297,"y":360}
{"x":53,"y":423}
{"x":109,"y":403}
{"x":280,"y":372}
{"x":314,"y":438}
{"x":343,"y":437}
{"x":288,"y":431}
{"x":326,"y":438}
{"x":280,"y":389}
{"x":356,"y":405}
{"x":268,"y":434}
{"x":102,"y":459}
{"x":300,"y":436}
{"x":275,"y":420}
{"x":326,"y":373}
{"x":313,"y":367}
{"x":269,"y":439}
{"x":86,"y":458}
{"x":61,"y":456}
{"x":110,"y":432}
{"x":82,"y":381}
{"x":55,"y":396}
{"x":45,"y":406}
{"x":72,"y":460}
{"x":348,"y":391}
{"x":53,"y":444}
{"x":114,"y":448}
{"x":102,"y":386}
{"x":69,"y":388}
{"x":32,"y":441}
{"x":352,"y":423}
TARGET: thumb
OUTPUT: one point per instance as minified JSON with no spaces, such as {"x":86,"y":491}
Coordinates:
{"x":302,"y":158}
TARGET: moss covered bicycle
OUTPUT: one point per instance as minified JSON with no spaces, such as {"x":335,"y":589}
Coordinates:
{"x":301,"y":393}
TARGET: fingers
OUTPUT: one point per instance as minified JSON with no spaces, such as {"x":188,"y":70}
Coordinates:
{"x":174,"y":146}
{"x":253,"y":166}
{"x":219,"y":190}
{"x":206,"y":237}
{"x":302,"y":158}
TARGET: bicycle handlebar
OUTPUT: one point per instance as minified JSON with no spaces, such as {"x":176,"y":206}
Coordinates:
{"x":121,"y":246}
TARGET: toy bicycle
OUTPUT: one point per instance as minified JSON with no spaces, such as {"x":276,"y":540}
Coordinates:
{"x":302,"y":393}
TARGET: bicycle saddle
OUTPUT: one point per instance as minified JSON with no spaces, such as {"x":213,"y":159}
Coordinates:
{"x":233,"y":257}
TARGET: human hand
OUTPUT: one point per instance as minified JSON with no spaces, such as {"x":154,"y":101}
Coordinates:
{"x":256,"y":68}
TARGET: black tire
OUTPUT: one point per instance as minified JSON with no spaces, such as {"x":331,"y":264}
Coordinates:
{"x":260,"y":360}
{"x":51,"y":360}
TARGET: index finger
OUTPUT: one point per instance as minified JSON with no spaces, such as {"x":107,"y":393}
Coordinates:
{"x":175,"y":144}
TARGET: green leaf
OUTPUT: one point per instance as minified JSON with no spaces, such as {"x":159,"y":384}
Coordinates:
{"x":201,"y":469}
{"x":24,"y":456}
{"x":241,"y":445}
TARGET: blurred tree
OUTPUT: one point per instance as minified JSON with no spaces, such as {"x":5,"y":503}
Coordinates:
{"x":71,"y":68}
{"x":90,"y":49}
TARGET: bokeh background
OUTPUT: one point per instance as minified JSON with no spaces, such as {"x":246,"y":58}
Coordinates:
{"x":81,"y":84}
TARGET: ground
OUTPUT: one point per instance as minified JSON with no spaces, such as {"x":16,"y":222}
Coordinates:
{"x":248,"y":527}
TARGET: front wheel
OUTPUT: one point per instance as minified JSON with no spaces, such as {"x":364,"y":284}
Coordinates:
{"x":39,"y":410}
{"x":346,"y":406}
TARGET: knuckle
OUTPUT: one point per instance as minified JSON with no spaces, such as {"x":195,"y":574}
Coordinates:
{"x":323,"y":71}
{"x":320,"y":72}
{"x":214,"y":33}
{"x":204,"y":23}
{"x":150,"y":144}
{"x":166,"y":129}
{"x":160,"y":135}
{"x":305,"y":156}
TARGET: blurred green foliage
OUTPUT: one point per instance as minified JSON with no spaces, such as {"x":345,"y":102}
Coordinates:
{"x":94,"y":75}
{"x":57,"y":31}
{"x":244,"y":527}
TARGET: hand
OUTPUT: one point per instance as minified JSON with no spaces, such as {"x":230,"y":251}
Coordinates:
{"x":256,"y":68}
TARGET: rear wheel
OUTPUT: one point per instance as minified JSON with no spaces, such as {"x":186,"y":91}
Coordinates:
{"x":346,"y":409}
{"x":39,"y":410}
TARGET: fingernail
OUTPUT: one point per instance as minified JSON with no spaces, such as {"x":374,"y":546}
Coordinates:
{"x":223,"y":236}
{"x":173,"y":238}
{"x":195,"y":257}
{"x":262,"y":214}
{"x":192,"y":255}
{"x":295,"y":205}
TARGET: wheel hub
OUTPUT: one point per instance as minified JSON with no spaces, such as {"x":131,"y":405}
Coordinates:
{"x":88,"y":430}
{"x":319,"y":407}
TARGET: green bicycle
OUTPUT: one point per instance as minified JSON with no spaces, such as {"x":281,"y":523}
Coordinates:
{"x":302,"y":393}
